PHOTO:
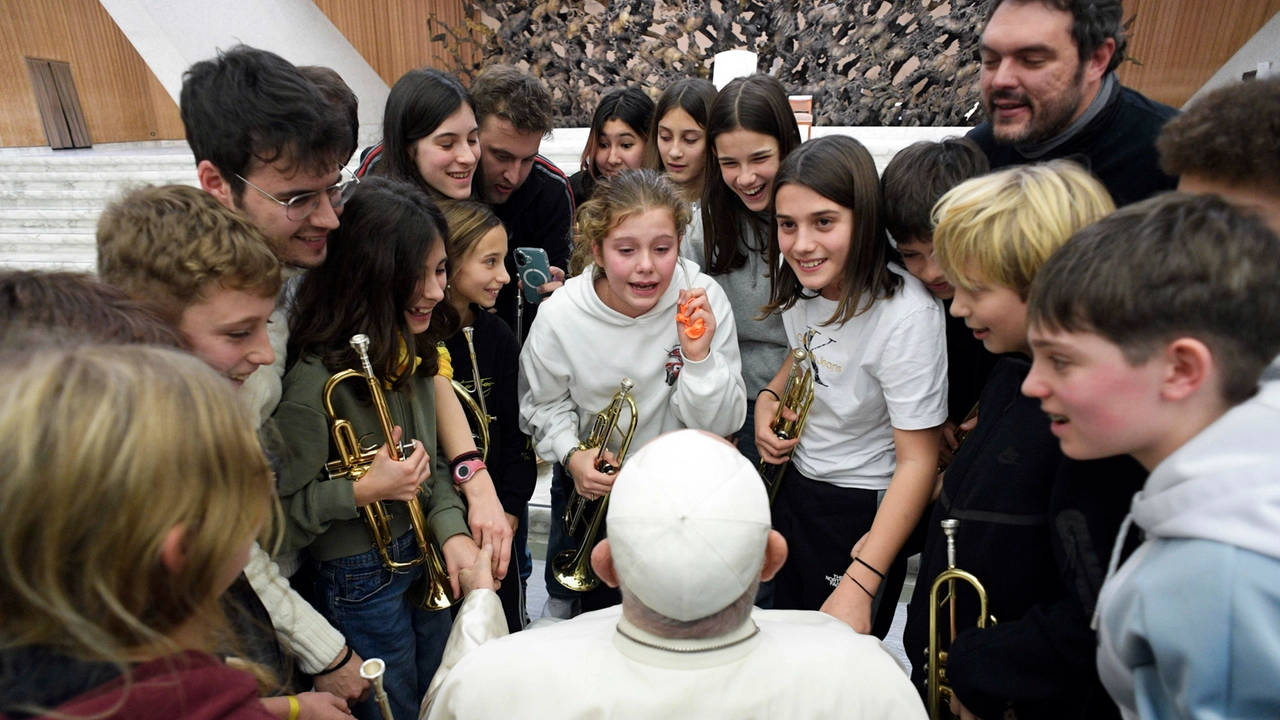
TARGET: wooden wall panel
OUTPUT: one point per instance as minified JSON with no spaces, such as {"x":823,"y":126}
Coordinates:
{"x":394,"y":36}
{"x":19,"y":115}
{"x":115,"y":86}
{"x":1182,"y":43}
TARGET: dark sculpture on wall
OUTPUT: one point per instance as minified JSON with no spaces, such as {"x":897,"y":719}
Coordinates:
{"x":866,"y":62}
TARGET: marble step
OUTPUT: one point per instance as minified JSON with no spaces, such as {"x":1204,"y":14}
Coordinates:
{"x":34,"y":198}
{"x":47,"y":220}
{"x":50,"y":242}
{"x":41,"y":262}
{"x":41,"y":180}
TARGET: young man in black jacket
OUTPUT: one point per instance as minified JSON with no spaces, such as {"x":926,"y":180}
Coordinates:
{"x":528,"y":193}
{"x":1035,"y":528}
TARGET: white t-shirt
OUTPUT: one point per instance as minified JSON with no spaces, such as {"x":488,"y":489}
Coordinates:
{"x":883,"y":369}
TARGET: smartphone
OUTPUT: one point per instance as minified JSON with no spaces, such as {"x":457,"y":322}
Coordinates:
{"x":535,"y":271}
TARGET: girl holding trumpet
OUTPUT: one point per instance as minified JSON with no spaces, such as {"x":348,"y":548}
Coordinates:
{"x":619,"y":319}
{"x":353,"y":588}
{"x":866,"y":462}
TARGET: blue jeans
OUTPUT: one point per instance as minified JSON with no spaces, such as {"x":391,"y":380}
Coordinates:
{"x":368,"y":604}
{"x":557,"y":539}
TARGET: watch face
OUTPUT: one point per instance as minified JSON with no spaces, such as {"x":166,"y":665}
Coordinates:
{"x":463,"y":471}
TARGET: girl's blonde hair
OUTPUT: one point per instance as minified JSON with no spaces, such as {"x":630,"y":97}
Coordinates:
{"x":629,"y":193}
{"x":1001,"y":228}
{"x":107,"y":449}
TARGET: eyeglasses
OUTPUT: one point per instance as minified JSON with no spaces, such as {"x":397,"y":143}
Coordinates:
{"x":299,"y":207}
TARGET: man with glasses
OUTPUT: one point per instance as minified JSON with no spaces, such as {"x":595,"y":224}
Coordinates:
{"x":270,"y":146}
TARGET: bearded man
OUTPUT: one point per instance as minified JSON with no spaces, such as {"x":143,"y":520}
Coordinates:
{"x":1050,"y":91}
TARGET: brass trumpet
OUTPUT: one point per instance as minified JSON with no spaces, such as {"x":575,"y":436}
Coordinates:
{"x":572,"y":568}
{"x":936,"y":685}
{"x":798,"y":396}
{"x":354,"y":461}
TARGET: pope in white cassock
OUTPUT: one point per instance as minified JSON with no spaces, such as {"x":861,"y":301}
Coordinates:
{"x":689,"y":542}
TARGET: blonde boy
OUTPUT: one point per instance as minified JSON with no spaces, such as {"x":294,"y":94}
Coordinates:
{"x":209,"y":272}
{"x":1150,"y":331}
{"x":1029,"y":518}
{"x":214,"y":277}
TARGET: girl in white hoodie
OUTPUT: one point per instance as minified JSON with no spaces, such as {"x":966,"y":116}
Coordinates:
{"x":618,"y":319}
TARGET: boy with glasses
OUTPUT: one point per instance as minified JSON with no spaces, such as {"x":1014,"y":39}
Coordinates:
{"x":270,"y":146}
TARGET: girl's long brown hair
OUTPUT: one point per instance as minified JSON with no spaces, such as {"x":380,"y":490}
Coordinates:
{"x":838,"y":168}
{"x":376,"y":259}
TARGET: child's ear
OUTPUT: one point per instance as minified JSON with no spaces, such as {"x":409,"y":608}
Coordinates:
{"x":1189,"y":365}
{"x":173,"y":551}
{"x":597,"y":254}
{"x":212,"y":182}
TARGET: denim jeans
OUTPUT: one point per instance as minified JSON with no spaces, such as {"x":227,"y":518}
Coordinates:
{"x":557,"y":539}
{"x":368,"y":604}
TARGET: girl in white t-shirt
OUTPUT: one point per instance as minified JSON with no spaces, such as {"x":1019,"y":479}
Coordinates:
{"x":621,"y":318}
{"x":866,"y":461}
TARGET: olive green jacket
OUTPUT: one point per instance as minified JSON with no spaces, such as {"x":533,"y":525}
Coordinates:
{"x":321,"y":514}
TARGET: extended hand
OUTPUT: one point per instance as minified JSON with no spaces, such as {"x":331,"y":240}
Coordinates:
{"x":851,"y":604}
{"x":488,"y":522}
{"x":322,"y":705}
{"x":459,"y":552}
{"x":345,"y":682}
{"x":477,"y":576}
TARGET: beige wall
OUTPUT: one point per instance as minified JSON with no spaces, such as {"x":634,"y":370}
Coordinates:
{"x":121,"y":98}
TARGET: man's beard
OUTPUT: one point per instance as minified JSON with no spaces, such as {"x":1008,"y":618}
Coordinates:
{"x":1048,"y":119}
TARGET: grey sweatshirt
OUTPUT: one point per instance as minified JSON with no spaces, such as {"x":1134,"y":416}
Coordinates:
{"x":761,"y":343}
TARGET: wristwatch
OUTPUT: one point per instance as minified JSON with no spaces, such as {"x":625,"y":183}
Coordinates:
{"x":467,"y":469}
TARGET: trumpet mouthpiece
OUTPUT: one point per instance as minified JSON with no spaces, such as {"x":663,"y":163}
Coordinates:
{"x":360,"y":343}
{"x":627,"y":384}
{"x":799,"y":355}
{"x":950,"y":526}
{"x":373,"y":668}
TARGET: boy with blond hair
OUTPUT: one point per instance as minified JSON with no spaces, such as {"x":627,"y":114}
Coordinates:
{"x":1150,"y":331}
{"x":1031,"y":522}
{"x":214,"y":277}
{"x":208,"y":272}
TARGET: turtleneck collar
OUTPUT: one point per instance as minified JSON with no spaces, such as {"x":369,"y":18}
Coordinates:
{"x":1035,"y":151}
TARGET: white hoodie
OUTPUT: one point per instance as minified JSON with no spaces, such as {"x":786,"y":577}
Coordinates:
{"x":1190,"y":625}
{"x":579,"y":350}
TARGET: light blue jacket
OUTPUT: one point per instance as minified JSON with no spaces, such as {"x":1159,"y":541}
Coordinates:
{"x":1190,"y":624}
